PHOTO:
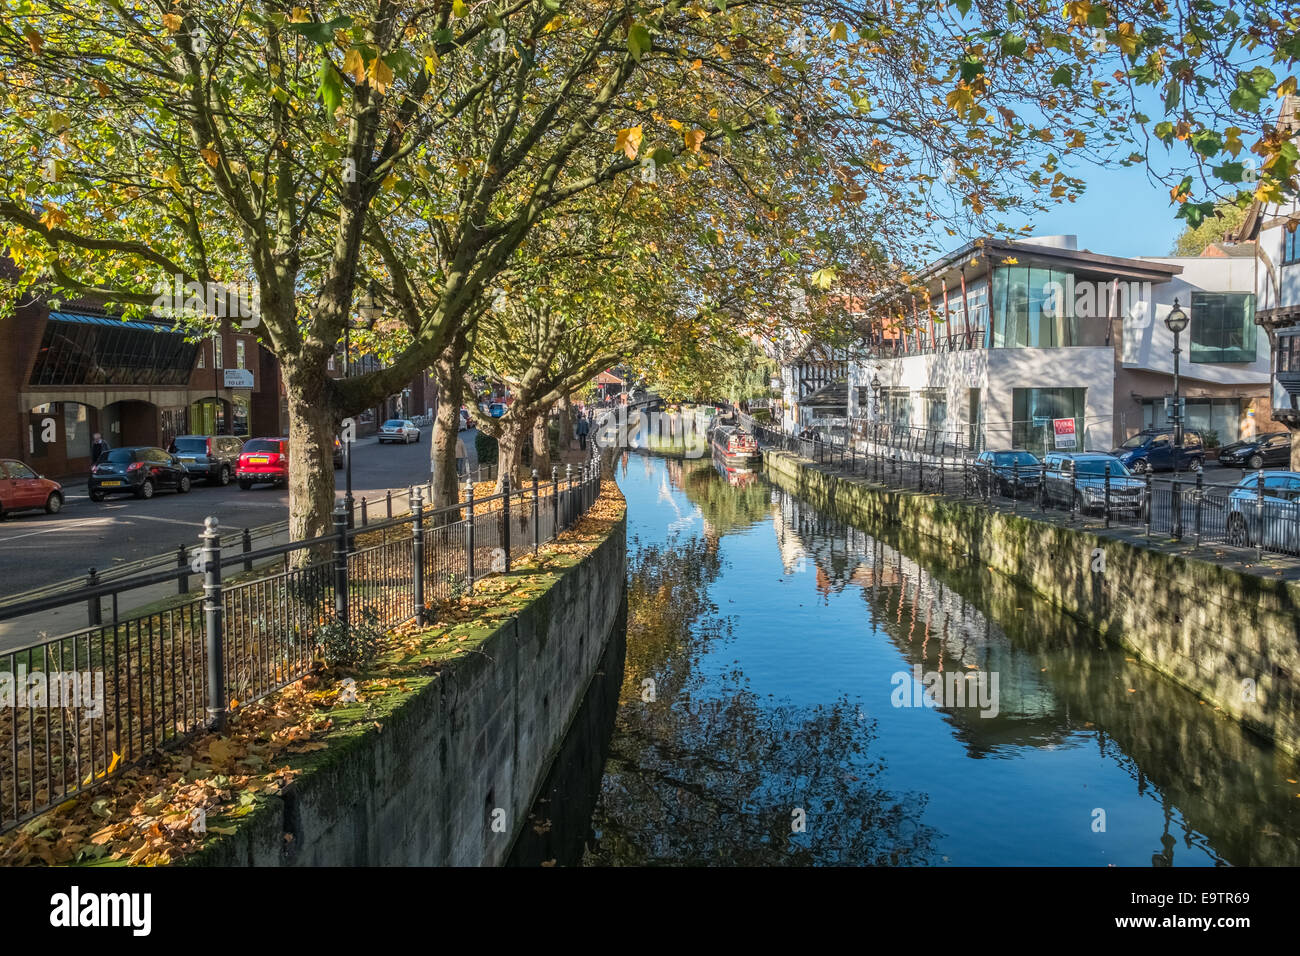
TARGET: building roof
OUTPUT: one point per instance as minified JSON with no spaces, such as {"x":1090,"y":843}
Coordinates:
{"x":86,"y":318}
{"x":836,"y":393}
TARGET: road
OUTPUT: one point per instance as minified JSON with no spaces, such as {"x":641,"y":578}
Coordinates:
{"x":38,"y":549}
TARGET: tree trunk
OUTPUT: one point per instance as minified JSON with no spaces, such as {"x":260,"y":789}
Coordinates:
{"x":510,"y":450}
{"x":542,"y":445}
{"x":446,"y":429}
{"x":311,"y":452}
{"x":566,"y":424}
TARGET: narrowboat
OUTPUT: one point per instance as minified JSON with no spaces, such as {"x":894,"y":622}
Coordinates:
{"x":733,"y":447}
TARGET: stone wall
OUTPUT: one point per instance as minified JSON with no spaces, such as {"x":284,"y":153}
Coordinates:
{"x":1208,"y":627}
{"x":452,"y":773}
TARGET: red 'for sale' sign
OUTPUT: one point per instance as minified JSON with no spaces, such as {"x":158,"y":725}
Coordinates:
{"x":1065,"y":436}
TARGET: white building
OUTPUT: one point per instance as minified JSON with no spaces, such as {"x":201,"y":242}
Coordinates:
{"x":1018,"y":335}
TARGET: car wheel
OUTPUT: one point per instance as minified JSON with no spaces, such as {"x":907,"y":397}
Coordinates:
{"x":1238,"y":535}
{"x":1079,"y":506}
{"x":146,"y":489}
{"x":244,"y":485}
{"x":183,"y":485}
{"x":1256,"y":462}
{"x":96,"y":496}
{"x":54,"y":503}
{"x":223,"y":477}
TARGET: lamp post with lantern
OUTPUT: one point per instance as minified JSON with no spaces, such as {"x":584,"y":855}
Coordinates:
{"x":1176,"y":322}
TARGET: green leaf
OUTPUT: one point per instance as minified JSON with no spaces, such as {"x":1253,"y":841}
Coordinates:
{"x":1173,"y":93}
{"x":1013,"y":44}
{"x":638,"y":41}
{"x":963,"y":6}
{"x":1063,"y":77}
{"x":1207,"y":142}
{"x":1229,"y":172}
{"x":331,"y":88}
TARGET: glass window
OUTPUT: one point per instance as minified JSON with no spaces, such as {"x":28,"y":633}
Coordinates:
{"x":262,"y":445}
{"x":1222,"y":327}
{"x":203,"y":356}
{"x":1034,"y":409}
{"x":239,"y":354}
{"x":1290,"y":245}
{"x":218,"y":360}
{"x":18,"y":470}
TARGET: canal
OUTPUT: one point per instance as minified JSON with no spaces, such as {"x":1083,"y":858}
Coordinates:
{"x":770,"y":707}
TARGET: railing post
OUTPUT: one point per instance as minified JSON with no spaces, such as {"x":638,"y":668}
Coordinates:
{"x":1200,"y":493}
{"x":1015,"y":485}
{"x":1042,"y":487}
{"x":469,"y":535}
{"x":537,"y":528}
{"x":94,"y":612}
{"x":182,"y":570}
{"x":341,"y":565}
{"x":364,"y":517}
{"x":213,"y":610}
{"x":1176,"y":494}
{"x":555,"y":501}
{"x":505,"y":519}
{"x":417,"y":551}
{"x":1150,"y":502}
{"x":1107,"y":494}
{"x":388,"y":502}
{"x":247,"y":544}
{"x":568,"y":494}
{"x":1259,"y":513}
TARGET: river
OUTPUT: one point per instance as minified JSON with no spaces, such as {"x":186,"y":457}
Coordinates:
{"x":771,"y":709}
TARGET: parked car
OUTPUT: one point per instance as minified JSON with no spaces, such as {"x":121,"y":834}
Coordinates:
{"x":22,"y":489}
{"x":1078,"y":480}
{"x":211,"y":457}
{"x":398,"y":430}
{"x":1011,"y":472}
{"x":496,"y":409}
{"x":264,"y":461}
{"x":1153,"y":450}
{"x":139,"y":470}
{"x":1271,"y":521}
{"x":466,"y":421}
{"x":1262,"y":451}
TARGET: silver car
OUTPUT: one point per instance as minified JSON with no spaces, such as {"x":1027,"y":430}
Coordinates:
{"x":1270,"y":521}
{"x":398,"y":430}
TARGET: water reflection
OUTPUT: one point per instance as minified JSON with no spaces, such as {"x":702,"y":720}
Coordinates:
{"x":774,"y":637}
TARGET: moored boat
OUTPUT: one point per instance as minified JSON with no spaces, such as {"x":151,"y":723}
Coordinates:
{"x":733,"y":447}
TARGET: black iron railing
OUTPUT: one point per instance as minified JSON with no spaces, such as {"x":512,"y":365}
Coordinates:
{"x":79,"y":708}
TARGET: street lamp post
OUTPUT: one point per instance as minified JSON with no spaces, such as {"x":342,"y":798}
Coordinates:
{"x":348,"y":433}
{"x":875,"y":402}
{"x":1176,"y":322}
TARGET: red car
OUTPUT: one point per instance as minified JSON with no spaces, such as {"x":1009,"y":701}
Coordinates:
{"x":22,"y":489}
{"x":264,"y":461}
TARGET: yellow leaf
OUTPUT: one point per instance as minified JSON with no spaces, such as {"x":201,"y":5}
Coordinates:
{"x":839,"y":32}
{"x":354,"y":66}
{"x":381,"y":77}
{"x":1232,"y":140}
{"x":209,"y":156}
{"x":628,"y":141}
{"x":694,"y":140}
{"x":299,"y":15}
{"x":172,"y":22}
{"x":101,"y":88}
{"x":171,"y":176}
{"x":459,"y":9}
{"x":33,"y":39}
{"x":1286,"y":87}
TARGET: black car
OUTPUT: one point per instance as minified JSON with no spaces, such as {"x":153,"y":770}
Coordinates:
{"x":212,"y":457}
{"x":1013,"y":472}
{"x":141,"y":471}
{"x":1262,"y":451}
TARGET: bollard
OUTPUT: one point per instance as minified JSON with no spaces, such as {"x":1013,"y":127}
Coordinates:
{"x":505,"y":519}
{"x":247,"y":544}
{"x":537,"y":528}
{"x":388,"y":502}
{"x":1106,"y":501}
{"x":94,"y":612}
{"x":182,"y":569}
{"x":364,"y":517}
{"x":469,"y":536}
{"x":213,"y":609}
{"x":417,"y":552}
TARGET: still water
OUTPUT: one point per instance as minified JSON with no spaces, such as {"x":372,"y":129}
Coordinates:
{"x":769,"y":712}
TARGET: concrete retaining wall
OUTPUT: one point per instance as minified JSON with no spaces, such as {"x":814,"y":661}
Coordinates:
{"x":452,"y":774}
{"x":1210,"y":628}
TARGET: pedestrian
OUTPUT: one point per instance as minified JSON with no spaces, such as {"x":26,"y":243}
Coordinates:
{"x":583,"y":428}
{"x":97,"y":447}
{"x":461,"y":455}
{"x":171,"y":446}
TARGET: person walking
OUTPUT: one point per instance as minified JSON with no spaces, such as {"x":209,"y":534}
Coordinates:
{"x":97,"y":447}
{"x":461,"y":455}
{"x":583,"y":427}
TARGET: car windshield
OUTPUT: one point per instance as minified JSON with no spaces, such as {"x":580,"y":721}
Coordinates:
{"x":1009,"y":459}
{"x":191,"y":444}
{"x":1097,"y":466}
{"x":1137,"y":441}
{"x":119,"y":456}
{"x":393,"y":423}
{"x":262,"y":444}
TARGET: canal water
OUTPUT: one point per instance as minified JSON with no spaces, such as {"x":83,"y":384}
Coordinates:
{"x":772,"y":708}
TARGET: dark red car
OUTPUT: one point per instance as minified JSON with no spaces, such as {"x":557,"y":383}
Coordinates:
{"x":22,"y":489}
{"x":263,"y":461}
